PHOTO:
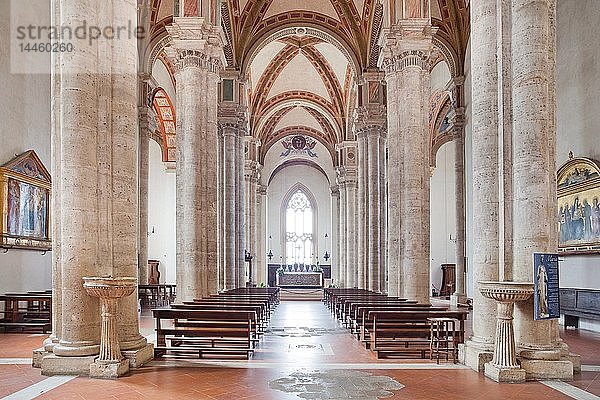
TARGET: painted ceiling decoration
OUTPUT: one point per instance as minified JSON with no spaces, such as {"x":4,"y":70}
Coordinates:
{"x":302,"y":59}
{"x":299,"y":145}
{"x":165,"y":115}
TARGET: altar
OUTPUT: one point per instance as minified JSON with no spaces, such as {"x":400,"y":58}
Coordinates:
{"x":300,"y":279}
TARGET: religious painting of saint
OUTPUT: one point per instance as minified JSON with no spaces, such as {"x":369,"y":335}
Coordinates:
{"x":25,"y":187}
{"x":546,"y":288}
{"x":27,"y":210}
{"x":579,"y":206}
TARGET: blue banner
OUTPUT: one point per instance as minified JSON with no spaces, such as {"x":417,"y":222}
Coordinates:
{"x":546,"y":295}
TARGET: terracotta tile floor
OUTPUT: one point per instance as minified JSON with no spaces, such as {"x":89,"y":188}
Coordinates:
{"x":293,"y":323}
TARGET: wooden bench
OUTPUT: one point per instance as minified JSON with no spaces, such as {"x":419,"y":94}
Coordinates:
{"x":401,"y":333}
{"x":205,"y":333}
{"x":156,"y":295}
{"x":364,"y":318}
{"x":31,"y":311}
{"x":579,"y":303}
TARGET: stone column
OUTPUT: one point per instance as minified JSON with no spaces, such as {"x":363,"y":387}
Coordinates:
{"x":335,"y":235}
{"x":407,"y":50}
{"x":341,"y":269}
{"x":144,"y":146}
{"x":221,"y":265}
{"x":394,"y":187}
{"x":241,"y":209}
{"x":97,"y":134}
{"x":383,"y":206}
{"x":197,"y":54}
{"x":252,"y":176}
{"x":362,"y":223}
{"x":351,"y":218}
{"x":370,"y":122}
{"x":486,"y":179}
{"x":229,"y":227}
{"x":534,"y":204}
{"x":260,"y":259}
{"x":456,"y":118}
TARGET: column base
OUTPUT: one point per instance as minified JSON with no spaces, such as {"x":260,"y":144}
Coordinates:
{"x":113,"y":370}
{"x":547,"y":369}
{"x":57,"y":365}
{"x":37,"y":356}
{"x":139,"y":357}
{"x":475,"y":354}
{"x":575,"y":360}
{"x":458,"y":299}
{"x":506,"y":375}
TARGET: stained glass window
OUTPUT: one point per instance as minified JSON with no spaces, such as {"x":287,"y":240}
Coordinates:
{"x":299,"y":229}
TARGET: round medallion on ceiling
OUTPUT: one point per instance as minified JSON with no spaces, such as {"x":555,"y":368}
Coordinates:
{"x":299,"y":142}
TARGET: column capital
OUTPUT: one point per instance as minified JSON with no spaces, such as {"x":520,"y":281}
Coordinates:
{"x":334,"y":190}
{"x":407,"y":44}
{"x":261,"y":190}
{"x":346,"y":176}
{"x":233,"y":117}
{"x":196,"y":43}
{"x":252,"y":170}
{"x":457,"y":119}
{"x":370,"y":120}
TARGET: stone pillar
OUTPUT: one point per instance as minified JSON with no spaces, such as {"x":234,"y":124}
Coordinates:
{"x":241,"y":208}
{"x":407,"y":51}
{"x":383,"y":206}
{"x":144,"y":146}
{"x":197,"y":54}
{"x":362,"y":223}
{"x":485,"y":141}
{"x":534,"y":204}
{"x":347,"y":182}
{"x":252,"y":177}
{"x":456,"y":118}
{"x":335,"y":234}
{"x":221,"y":265}
{"x":96,"y":176}
{"x":370,"y":122}
{"x":232,"y":122}
{"x":229,"y":227}
{"x":260,"y":260}
{"x":341,"y":269}
{"x":351,"y":219}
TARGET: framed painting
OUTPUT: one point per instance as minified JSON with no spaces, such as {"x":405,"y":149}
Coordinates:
{"x":579,"y":206}
{"x":25,"y":190}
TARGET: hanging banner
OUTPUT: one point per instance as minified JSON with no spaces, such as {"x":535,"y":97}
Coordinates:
{"x":546,"y":295}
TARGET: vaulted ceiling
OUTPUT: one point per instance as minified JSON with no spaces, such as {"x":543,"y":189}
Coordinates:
{"x":301,"y":58}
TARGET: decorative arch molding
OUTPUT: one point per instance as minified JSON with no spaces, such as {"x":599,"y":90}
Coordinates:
{"x":449,"y":55}
{"x":297,"y":162}
{"x":298,"y":26}
{"x":167,"y":122}
{"x":440,"y":105}
{"x":303,"y":98}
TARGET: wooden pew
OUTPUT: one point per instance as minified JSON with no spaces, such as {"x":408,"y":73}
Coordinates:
{"x":27,"y":311}
{"x":205,"y":333}
{"x":400,"y":333}
{"x":364,"y":320}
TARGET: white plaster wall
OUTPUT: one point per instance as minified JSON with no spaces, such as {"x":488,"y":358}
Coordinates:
{"x":578,"y":112}
{"x":440,"y":76}
{"x":161,"y":214}
{"x":279,"y":187}
{"x":443,"y":213}
{"x":25,"y":110}
{"x":163,"y":78}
